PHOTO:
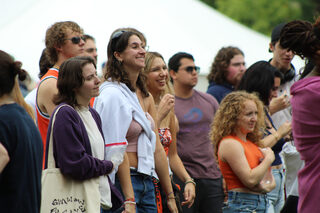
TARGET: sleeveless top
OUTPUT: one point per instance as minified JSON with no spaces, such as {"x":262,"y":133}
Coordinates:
{"x":134,"y":131}
{"x":165,"y":138}
{"x":43,"y":118}
{"x":253,"y":155}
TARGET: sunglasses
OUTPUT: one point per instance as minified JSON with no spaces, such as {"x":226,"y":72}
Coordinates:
{"x":190,"y":69}
{"x":117,"y":34}
{"x":76,"y":39}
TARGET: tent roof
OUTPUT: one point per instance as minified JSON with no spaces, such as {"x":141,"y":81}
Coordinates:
{"x":170,"y":26}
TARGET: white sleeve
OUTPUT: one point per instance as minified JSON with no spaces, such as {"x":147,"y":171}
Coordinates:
{"x":116,"y":117}
{"x":115,"y":113}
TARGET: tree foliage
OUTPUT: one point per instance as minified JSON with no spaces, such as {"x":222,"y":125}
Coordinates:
{"x":263,"y":15}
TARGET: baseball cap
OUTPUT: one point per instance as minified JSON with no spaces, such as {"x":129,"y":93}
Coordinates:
{"x":275,"y":35}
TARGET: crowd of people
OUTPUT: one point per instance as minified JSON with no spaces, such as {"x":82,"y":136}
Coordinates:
{"x":149,"y":140}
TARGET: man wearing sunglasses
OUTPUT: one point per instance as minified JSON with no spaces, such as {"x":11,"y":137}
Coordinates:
{"x":63,"y":41}
{"x":195,"y":111}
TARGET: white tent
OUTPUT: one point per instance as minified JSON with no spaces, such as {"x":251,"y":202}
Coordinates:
{"x":169,"y":25}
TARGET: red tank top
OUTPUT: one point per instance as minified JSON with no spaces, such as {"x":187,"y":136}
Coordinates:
{"x":43,"y":118}
{"x":253,"y":155}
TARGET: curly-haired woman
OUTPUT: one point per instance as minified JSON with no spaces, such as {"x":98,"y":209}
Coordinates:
{"x":244,"y":165}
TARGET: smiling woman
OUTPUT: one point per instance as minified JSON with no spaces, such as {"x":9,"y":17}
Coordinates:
{"x":127,"y":109}
{"x":161,"y":89}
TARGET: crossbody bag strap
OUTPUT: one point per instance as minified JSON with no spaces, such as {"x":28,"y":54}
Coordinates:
{"x":51,"y":161}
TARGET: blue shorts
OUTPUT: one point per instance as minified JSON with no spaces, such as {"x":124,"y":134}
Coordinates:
{"x":143,"y":193}
{"x":246,"y":202}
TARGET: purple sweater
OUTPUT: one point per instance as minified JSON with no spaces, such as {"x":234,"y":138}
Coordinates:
{"x":71,"y":148}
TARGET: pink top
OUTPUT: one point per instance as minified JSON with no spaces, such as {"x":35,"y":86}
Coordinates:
{"x":133,"y":133}
{"x":306,"y":132}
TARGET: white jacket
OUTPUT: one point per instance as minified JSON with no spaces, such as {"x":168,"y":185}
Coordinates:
{"x":117,"y":106}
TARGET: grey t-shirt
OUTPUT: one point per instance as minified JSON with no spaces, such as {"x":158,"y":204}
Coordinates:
{"x":195,"y":149}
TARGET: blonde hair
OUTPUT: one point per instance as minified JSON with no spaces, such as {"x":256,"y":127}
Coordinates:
{"x":225,"y":120}
{"x":18,"y":98}
{"x":149,"y":58}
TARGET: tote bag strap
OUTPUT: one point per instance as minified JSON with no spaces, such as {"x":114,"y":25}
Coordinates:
{"x":51,"y":162}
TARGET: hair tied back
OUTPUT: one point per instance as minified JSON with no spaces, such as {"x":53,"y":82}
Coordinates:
{"x":22,"y":74}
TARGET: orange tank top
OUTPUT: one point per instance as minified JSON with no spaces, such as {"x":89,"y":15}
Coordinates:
{"x":43,"y":118}
{"x":253,"y":155}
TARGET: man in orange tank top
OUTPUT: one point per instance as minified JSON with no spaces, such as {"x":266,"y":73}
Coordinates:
{"x":63,"y":40}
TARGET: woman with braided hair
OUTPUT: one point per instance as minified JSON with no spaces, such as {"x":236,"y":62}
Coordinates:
{"x":303,"y":38}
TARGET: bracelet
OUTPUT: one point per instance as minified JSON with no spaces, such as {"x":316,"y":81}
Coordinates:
{"x":191,"y":181}
{"x":169,"y":194}
{"x":168,"y":198}
{"x":130,"y":199}
{"x":129,"y":202}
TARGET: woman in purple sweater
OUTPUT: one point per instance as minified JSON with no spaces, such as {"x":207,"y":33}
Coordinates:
{"x":78,"y":143}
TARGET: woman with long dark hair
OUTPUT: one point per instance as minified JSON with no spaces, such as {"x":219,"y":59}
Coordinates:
{"x":127,"y":109}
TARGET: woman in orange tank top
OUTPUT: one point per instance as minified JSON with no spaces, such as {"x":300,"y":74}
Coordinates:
{"x":244,"y":165}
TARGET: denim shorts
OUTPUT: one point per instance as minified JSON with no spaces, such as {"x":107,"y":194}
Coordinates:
{"x":245,"y":202}
{"x":276,"y":196}
{"x":143,"y":192}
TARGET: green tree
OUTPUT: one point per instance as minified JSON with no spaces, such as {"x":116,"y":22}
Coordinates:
{"x":310,"y":9}
{"x":261,"y":15}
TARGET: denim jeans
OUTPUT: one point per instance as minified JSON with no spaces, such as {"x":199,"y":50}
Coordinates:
{"x":276,"y":196}
{"x":245,"y":202}
{"x":143,"y":193}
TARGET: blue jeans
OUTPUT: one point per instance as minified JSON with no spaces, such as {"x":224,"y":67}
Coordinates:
{"x":143,"y":193}
{"x":276,"y":196}
{"x":245,"y":202}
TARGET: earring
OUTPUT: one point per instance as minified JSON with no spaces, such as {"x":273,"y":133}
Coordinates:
{"x":120,"y":62}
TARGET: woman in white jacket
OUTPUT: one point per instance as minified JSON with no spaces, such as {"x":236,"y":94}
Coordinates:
{"x":128,"y":126}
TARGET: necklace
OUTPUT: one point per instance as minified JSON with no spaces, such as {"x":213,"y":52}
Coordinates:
{"x":56,"y":67}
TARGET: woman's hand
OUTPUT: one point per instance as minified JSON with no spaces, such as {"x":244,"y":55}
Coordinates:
{"x":129,"y":208}
{"x":268,"y":154}
{"x":171,"y":202}
{"x":279,"y":103}
{"x":165,"y":105}
{"x":189,"y":194}
{"x":284,"y":129}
